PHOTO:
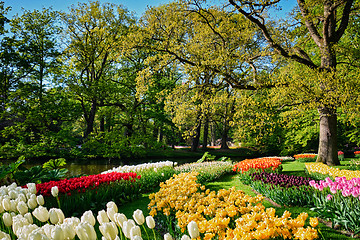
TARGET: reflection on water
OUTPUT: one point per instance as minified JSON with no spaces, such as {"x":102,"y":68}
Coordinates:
{"x":90,"y":167}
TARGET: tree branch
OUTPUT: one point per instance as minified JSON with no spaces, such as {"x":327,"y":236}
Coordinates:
{"x":344,"y":21}
{"x":278,"y":48}
{"x":309,"y":24}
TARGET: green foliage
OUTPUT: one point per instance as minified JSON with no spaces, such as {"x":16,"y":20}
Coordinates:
{"x":307,"y":159}
{"x":151,"y":178}
{"x":9,"y":170}
{"x":54,"y":164}
{"x":206,"y":157}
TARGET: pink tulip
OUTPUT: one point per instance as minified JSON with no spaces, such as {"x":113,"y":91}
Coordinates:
{"x":329,"y":197}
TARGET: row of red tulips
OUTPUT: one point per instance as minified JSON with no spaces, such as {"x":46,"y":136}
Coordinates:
{"x":81,"y":184}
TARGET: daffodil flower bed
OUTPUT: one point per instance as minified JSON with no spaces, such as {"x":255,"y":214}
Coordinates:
{"x":226,"y":214}
{"x":321,"y":168}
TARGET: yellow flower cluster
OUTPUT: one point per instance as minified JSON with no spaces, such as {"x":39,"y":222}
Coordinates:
{"x":226,"y":214}
{"x":334,"y":172}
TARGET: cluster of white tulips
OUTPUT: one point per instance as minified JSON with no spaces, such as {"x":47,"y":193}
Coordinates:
{"x":196,"y":166}
{"x":25,"y":217}
{"x":141,"y":167}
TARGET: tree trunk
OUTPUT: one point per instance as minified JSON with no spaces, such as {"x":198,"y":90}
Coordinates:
{"x":196,"y":138}
{"x":327,"y":152}
{"x":224,"y":136}
{"x":206,"y":133}
{"x":213,"y":135}
{"x":90,"y":119}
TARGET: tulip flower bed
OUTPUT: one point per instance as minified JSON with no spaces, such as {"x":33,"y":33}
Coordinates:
{"x":208,"y":171}
{"x":270,"y":163}
{"x":142,"y":167}
{"x":21,"y":220}
{"x":283,"y":189}
{"x":77,"y":195}
{"x":357,"y":154}
{"x":306,"y":157}
{"x":339,"y":201}
{"x":321,"y":168}
{"x":226,"y":214}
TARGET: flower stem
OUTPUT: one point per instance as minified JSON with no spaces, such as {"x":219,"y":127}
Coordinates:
{"x":145,"y":231}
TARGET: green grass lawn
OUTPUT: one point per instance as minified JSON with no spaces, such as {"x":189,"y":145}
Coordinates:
{"x":228,"y":181}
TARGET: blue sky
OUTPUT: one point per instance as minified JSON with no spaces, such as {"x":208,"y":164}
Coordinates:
{"x":138,"y":6}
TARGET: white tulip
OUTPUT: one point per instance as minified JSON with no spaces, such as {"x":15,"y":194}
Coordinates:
{"x":1,"y":207}
{"x":13,"y":205}
{"x":69,"y":231}
{"x":40,"y":200}
{"x":55,"y":191}
{"x":135,"y":231}
{"x":167,"y":236}
{"x":36,"y":235}
{"x":127,"y":225}
{"x":22,"y":208}
{"x":150,"y":222}
{"x":18,"y":222}
{"x":25,"y":231}
{"x":57,"y":233}
{"x":137,"y":238}
{"x":185,"y":237}
{"x":47,"y":228}
{"x":73,"y":221}
{"x":29,"y":217}
{"x":54,"y":219}
{"x":109,"y":230}
{"x":110,"y":213}
{"x":31,"y":187}
{"x":88,"y":216}
{"x":139,"y":217}
{"x":21,"y":197}
{"x":85,"y":231}
{"x":102,"y":217}
{"x":193,"y":229}
{"x":7,"y":219}
{"x":32,"y":203}
{"x":6,"y":204}
{"x":111,"y":204}
{"x":120,"y":218}
{"x":13,"y":194}
{"x":41,"y":213}
{"x":4,"y":236}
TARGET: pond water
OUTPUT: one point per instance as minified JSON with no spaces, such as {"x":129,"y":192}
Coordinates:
{"x":89,"y":167}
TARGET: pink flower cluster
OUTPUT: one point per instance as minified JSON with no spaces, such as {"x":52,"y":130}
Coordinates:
{"x":346,"y":187}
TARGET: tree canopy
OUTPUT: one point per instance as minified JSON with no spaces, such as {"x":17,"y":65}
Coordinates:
{"x":95,"y":81}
